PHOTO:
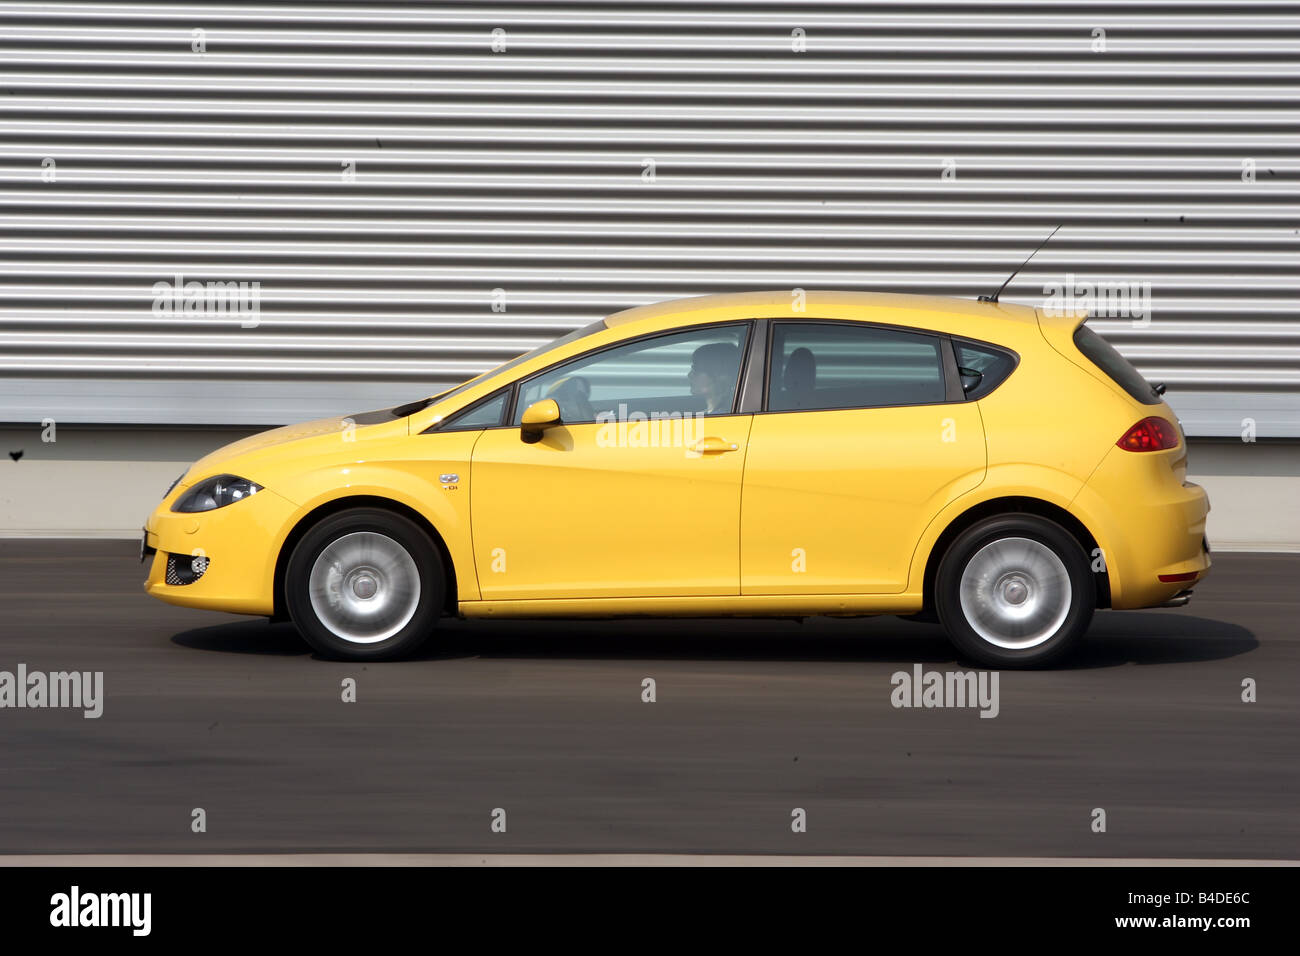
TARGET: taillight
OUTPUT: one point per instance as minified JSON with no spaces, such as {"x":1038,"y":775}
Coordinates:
{"x":1150,"y":434}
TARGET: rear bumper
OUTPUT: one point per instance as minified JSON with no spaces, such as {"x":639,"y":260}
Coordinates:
{"x":1149,"y":526}
{"x":1180,"y":599}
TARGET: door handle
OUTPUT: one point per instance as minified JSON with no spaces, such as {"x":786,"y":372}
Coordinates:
{"x":713,"y":446}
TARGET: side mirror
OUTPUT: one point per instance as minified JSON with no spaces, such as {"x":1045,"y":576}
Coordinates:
{"x":970,"y":379}
{"x":538,"y":417}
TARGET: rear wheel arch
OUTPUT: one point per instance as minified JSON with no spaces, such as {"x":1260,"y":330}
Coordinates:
{"x":315,"y":516}
{"x":1012,"y":505}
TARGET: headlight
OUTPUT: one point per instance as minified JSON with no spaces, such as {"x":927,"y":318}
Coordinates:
{"x":216,"y":493}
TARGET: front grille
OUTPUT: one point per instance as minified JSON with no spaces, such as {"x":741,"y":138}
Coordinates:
{"x":185,"y":568}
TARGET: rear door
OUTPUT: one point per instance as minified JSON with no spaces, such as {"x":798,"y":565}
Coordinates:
{"x":859,"y":444}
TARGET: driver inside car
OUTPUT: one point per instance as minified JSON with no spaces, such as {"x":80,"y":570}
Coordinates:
{"x":573,"y":394}
{"x":712,"y":376}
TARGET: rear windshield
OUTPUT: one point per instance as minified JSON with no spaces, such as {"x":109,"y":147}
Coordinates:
{"x":1104,"y":355}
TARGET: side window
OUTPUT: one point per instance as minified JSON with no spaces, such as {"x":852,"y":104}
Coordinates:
{"x":839,"y":365}
{"x":486,"y":414}
{"x":982,"y":367}
{"x":682,"y":373}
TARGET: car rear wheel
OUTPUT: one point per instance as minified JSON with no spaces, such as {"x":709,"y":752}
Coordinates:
{"x":1015,"y":591}
{"x":364,"y":584}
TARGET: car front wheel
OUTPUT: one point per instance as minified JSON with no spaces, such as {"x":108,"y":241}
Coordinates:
{"x":364,"y":584}
{"x":1015,"y":591}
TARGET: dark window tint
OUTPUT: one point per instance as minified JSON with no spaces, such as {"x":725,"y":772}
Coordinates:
{"x":486,"y":414}
{"x":1105,"y":356}
{"x":990,"y":366}
{"x":816,"y":365}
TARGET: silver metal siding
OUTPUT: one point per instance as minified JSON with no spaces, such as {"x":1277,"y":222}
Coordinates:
{"x":524,"y":170}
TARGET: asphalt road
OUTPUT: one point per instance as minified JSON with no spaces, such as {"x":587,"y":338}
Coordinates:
{"x":545,"y":720}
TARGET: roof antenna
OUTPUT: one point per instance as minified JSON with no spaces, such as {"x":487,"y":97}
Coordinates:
{"x":994,"y":296}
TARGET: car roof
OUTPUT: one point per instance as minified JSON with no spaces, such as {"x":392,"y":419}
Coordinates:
{"x":942,"y":313}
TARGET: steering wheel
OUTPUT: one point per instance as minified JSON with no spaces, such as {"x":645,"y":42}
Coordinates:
{"x":573,"y":395}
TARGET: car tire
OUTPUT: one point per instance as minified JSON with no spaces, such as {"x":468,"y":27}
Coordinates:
{"x":364,"y":585}
{"x":1015,"y":591}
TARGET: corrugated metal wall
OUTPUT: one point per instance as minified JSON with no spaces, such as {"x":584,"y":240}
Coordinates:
{"x":380,"y":170}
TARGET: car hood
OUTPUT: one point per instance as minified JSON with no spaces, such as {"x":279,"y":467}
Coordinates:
{"x":334,"y":436}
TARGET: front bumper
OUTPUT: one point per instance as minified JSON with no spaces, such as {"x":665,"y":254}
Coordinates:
{"x":221,"y":560}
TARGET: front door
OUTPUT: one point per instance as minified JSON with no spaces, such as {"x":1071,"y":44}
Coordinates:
{"x":636,"y":493}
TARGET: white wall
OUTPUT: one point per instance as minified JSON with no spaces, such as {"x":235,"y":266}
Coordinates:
{"x":105,"y":482}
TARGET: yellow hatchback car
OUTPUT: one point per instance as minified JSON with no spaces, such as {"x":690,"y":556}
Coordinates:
{"x":985,"y":465}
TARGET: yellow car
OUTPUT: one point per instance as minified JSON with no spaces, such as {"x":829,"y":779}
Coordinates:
{"x":985,"y":465}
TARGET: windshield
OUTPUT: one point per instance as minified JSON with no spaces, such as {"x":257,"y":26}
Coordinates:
{"x":412,"y":407}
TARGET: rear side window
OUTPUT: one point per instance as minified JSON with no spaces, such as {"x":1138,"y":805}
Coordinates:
{"x":982,"y":367}
{"x":1105,"y":356}
{"x":838,"y":365}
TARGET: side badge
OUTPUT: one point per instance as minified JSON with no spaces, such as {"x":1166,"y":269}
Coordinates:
{"x":449,"y":482}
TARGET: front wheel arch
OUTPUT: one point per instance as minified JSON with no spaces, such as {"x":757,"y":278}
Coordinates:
{"x":314,"y":517}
